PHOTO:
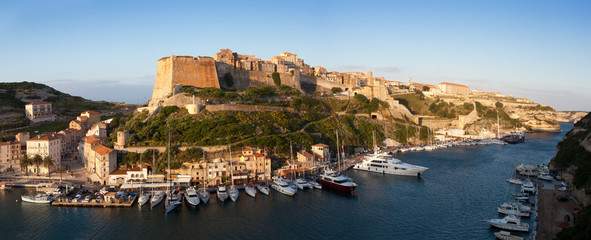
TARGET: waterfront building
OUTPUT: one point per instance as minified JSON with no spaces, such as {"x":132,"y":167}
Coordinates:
{"x":453,"y":88}
{"x":257,"y":163}
{"x":135,"y":174}
{"x":45,"y":145}
{"x":39,"y":112}
{"x":85,"y":150}
{"x":102,"y":161}
{"x":70,"y":139}
{"x":321,"y":150}
{"x":12,"y":151}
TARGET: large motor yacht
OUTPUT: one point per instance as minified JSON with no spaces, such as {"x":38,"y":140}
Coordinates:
{"x":386,"y":164}
{"x":336,"y":181}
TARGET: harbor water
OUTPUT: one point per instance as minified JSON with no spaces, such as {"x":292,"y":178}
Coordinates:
{"x":461,"y":189}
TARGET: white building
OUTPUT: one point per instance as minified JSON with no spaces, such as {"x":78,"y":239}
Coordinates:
{"x":45,"y":145}
{"x":39,"y":112}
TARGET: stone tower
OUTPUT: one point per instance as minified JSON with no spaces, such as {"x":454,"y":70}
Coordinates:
{"x":122,"y":137}
{"x":184,"y":70}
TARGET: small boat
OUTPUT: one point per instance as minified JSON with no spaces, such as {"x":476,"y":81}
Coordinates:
{"x":222,"y":194}
{"x":103,"y":191}
{"x":504,"y":235}
{"x":282,"y":186}
{"x":144,"y":198}
{"x":515,"y":181}
{"x":546,"y":177}
{"x":528,"y":187}
{"x":514,"y":208}
{"x":263,"y":188}
{"x":157,"y":198}
{"x":191,"y":196}
{"x":521,"y":196}
{"x":233,"y":193}
{"x":301,"y":184}
{"x":39,"y":198}
{"x":314,"y":184}
{"x":204,"y":195}
{"x":171,"y":203}
{"x":509,"y":222}
{"x":250,"y":190}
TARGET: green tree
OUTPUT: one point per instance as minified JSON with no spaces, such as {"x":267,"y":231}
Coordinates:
{"x":37,"y":160}
{"x":25,"y":162}
{"x":426,"y":89}
{"x":499,"y":105}
{"x":276,"y":78}
{"x":61,"y":171}
{"x":48,"y":163}
{"x":130,"y":159}
{"x":336,"y":90}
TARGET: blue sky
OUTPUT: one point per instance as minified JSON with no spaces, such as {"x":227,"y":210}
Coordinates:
{"x":107,"y":50}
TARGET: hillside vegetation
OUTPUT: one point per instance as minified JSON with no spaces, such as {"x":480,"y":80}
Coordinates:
{"x":574,"y":158}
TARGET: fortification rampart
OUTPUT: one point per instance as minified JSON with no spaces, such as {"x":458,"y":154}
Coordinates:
{"x":185,"y":70}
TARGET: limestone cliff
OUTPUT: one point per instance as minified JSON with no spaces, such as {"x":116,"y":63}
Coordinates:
{"x":570,"y":116}
{"x":531,"y":116}
{"x":573,"y":156}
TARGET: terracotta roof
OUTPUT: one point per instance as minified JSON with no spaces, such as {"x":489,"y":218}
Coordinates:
{"x":8,"y":143}
{"x":102,"y":150}
{"x":91,"y":139}
{"x":119,"y":172}
{"x":45,"y":137}
{"x":306,"y":154}
{"x":82,"y":117}
{"x":258,"y":155}
{"x":38,"y":103}
{"x":91,"y":112}
{"x":246,"y":149}
{"x":454,"y":84}
{"x":136,"y":169}
{"x":320,"y":145}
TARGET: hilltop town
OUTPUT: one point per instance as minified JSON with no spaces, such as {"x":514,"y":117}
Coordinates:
{"x":259,"y":107}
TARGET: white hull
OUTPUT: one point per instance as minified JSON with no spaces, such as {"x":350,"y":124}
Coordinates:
{"x":314,"y":184}
{"x":222,"y":195}
{"x":263,"y":189}
{"x":251,"y":191}
{"x":191,"y":197}
{"x":143,"y":200}
{"x":157,"y":199}
{"x":506,"y":236}
{"x":285,"y":190}
{"x":172,"y":205}
{"x":37,"y":199}
{"x":516,"y":212}
{"x":524,"y":227}
{"x":386,"y":164}
{"x":515,"y":181}
{"x":233,"y":193}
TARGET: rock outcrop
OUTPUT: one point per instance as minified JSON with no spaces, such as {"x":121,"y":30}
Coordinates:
{"x":570,"y":116}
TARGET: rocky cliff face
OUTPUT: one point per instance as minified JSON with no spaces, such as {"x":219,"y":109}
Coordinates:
{"x":533,"y":117}
{"x":570,"y":116}
{"x":574,"y":158}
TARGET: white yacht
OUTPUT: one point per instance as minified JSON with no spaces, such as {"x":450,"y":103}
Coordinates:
{"x":515,"y":181}
{"x":509,"y":222}
{"x":314,"y":184}
{"x":39,"y":198}
{"x":172,"y":202}
{"x":157,"y":198}
{"x":222,"y":194}
{"x":250,"y":190}
{"x":144,"y":198}
{"x":263,"y":188}
{"x":191,"y":196}
{"x":233,"y":193}
{"x":514,"y":208}
{"x":282,"y":186}
{"x":528,"y":186}
{"x":385,"y":163}
{"x":302,"y":184}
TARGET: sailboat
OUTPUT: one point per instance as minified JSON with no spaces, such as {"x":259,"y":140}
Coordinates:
{"x":171,"y":202}
{"x":233,"y":191}
{"x":250,"y":190}
{"x":157,"y":196}
{"x":299,"y":182}
{"x":144,"y":196}
{"x":263,"y":187}
{"x":204,"y":193}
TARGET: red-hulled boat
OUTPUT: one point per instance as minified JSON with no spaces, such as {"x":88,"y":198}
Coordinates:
{"x":335,"y":181}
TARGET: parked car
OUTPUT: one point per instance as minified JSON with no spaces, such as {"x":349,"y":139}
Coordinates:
{"x":561,"y":198}
{"x":562,"y":189}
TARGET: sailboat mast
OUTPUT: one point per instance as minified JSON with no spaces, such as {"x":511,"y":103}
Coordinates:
{"x":231,"y":169}
{"x":338,"y":153}
{"x":168,"y":172}
{"x":291,"y":159}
